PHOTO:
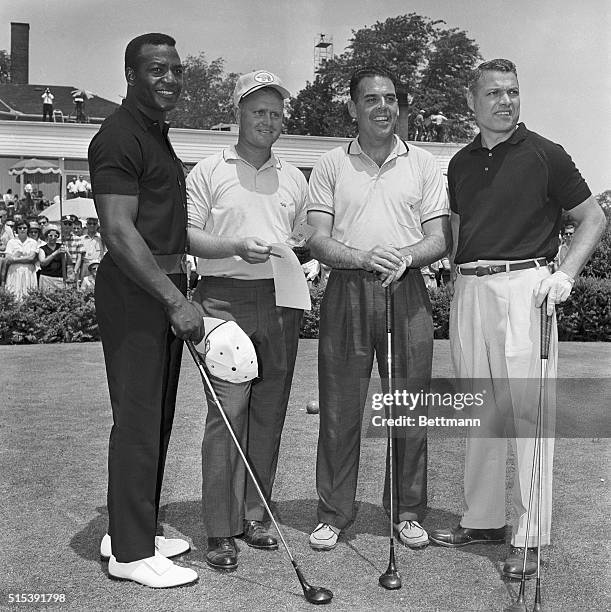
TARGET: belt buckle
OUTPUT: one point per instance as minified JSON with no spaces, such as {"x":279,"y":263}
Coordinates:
{"x":483,"y":270}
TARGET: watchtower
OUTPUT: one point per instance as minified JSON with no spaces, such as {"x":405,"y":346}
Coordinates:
{"x":323,"y":51}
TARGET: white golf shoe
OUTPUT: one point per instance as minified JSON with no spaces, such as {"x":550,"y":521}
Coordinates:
{"x":156,"y":572}
{"x":324,"y":537}
{"x":411,"y":534}
{"x":168,"y":547}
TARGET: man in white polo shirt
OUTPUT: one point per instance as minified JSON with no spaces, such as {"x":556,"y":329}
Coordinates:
{"x":241,"y":201}
{"x":379,"y":207}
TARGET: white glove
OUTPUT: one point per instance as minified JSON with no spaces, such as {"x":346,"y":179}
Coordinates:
{"x":556,"y":287}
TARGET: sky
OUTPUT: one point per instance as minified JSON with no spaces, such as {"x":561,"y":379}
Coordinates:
{"x":561,"y":48}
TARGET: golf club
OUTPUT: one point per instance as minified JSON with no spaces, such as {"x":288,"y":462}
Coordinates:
{"x":546,"y":332}
{"x":520,"y":604}
{"x":390,"y":579}
{"x":313,"y":594}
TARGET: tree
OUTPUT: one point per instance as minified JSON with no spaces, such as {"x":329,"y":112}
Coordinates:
{"x":206,"y":96}
{"x":331,"y":116}
{"x":442,"y":86}
{"x":431,"y":65}
{"x":5,"y":67}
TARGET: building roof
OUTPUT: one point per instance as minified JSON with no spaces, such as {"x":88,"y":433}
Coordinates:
{"x":24,"y":101}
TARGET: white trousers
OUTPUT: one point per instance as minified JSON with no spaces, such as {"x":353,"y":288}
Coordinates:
{"x":495,"y":335}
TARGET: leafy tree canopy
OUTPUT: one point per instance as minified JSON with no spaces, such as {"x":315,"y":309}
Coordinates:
{"x":206,"y":98}
{"x":431,"y":64}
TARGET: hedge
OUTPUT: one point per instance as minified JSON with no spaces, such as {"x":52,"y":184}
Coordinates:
{"x":69,"y":316}
{"x":584,"y":317}
{"x":61,"y":316}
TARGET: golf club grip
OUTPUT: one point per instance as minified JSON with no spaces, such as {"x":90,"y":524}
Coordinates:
{"x":546,"y":330}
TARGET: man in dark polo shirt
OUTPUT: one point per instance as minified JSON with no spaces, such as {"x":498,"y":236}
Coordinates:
{"x":508,"y":189}
{"x":143,"y":314}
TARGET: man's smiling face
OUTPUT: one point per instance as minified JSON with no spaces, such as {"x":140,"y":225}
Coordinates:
{"x":157,"y":79}
{"x":376,"y":108}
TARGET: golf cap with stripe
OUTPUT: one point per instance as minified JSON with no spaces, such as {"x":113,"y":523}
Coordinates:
{"x":228,"y":352}
{"x":248,"y":83}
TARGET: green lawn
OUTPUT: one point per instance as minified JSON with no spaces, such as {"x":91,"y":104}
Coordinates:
{"x":53,"y":444}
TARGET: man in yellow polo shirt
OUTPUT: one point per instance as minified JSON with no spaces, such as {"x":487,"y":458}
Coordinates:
{"x":241,"y":201}
{"x":378,"y":205}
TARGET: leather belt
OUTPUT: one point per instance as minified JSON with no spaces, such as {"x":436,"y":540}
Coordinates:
{"x":506,"y":267}
{"x":171,"y":264}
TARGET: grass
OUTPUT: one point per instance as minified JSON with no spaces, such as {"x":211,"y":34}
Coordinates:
{"x":53,"y":447}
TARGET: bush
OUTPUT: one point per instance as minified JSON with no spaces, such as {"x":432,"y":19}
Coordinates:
{"x":599,"y":265}
{"x":440,"y":301}
{"x":69,"y":316}
{"x":586,"y":315}
{"x":311,"y":318}
{"x":61,"y":316}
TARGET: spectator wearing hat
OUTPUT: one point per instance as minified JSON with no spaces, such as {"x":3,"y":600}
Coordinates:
{"x":74,"y":249}
{"x":419,"y":125}
{"x":88,"y":283}
{"x":50,"y":259}
{"x":239,"y":202}
{"x":21,"y":253}
{"x":438,"y":120}
{"x":6,"y":234}
{"x":93,"y":244}
{"x":34,"y":234}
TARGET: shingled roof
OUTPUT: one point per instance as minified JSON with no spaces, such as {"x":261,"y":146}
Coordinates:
{"x":25,"y":101}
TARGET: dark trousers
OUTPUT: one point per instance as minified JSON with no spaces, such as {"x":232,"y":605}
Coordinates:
{"x":352,"y":331}
{"x":256,"y":409}
{"x":47,"y":111}
{"x":142,"y":358}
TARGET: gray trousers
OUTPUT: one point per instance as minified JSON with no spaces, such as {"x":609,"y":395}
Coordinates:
{"x":255,"y":409}
{"x":352,"y":331}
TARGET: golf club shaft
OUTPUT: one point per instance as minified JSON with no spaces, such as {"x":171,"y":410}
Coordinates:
{"x":391,"y":458}
{"x":546,"y":332}
{"x":388,"y":313}
{"x":202,"y":371}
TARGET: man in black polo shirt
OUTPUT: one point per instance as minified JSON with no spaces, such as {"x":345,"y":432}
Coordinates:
{"x":508,"y":189}
{"x":143,"y":314}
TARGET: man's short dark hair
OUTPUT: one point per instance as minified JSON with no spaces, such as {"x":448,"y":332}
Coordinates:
{"x":132,"y":51}
{"x":366,"y":72}
{"x":497,"y":65}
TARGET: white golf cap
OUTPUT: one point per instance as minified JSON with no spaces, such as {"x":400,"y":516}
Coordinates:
{"x":228,"y":352}
{"x":258,"y":79}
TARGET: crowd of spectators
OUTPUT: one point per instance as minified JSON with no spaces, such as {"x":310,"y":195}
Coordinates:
{"x":36,"y":254}
{"x":428,"y":127}
{"x":32,"y":203}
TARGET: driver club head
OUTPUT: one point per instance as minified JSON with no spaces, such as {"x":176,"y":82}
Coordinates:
{"x":317,"y":595}
{"x":390,"y":581}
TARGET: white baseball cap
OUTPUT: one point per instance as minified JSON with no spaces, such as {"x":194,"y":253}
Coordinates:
{"x":228,"y":352}
{"x":250,"y":82}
